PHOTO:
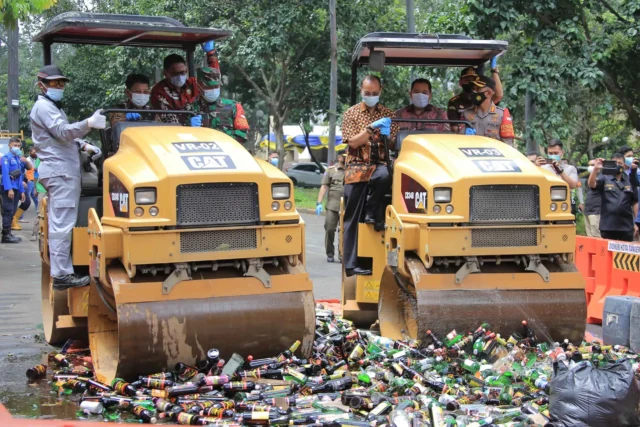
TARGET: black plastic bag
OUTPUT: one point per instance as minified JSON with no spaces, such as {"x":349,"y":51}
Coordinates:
{"x":594,"y":397}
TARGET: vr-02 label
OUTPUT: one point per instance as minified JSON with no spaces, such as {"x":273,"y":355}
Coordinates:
{"x":119,"y":197}
{"x":197,"y":147}
{"x":481,"y":152}
{"x":493,"y":166}
{"x":212,"y":162}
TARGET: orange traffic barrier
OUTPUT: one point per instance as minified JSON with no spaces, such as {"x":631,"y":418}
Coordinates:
{"x":585,"y":253}
{"x":609,"y":268}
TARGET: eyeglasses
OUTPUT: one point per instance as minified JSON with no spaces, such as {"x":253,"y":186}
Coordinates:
{"x":56,"y":84}
{"x":371,"y":93}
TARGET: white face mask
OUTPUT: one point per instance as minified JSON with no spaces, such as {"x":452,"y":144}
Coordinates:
{"x":370,"y":101}
{"x":179,"y":80}
{"x":590,"y":169}
{"x":140,"y":99}
{"x":420,"y":100}
{"x":211,"y":95}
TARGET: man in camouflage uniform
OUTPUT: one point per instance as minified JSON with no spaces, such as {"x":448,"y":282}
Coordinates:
{"x":333,"y":184}
{"x":486,"y":117}
{"x":219,"y":113}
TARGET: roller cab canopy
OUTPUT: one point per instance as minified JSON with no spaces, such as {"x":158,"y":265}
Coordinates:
{"x":438,"y":50}
{"x":410,"y":49}
{"x":124,"y":30}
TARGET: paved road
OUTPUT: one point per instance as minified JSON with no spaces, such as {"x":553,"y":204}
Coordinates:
{"x":21,"y":320}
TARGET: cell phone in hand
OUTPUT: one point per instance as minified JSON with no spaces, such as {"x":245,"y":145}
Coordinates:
{"x":610,"y":167}
{"x":548,"y":161}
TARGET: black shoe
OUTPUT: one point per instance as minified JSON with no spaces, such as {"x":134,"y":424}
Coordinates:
{"x":362,"y":272}
{"x":67,"y":281}
{"x":10,"y":238}
{"x":369,"y":219}
{"x":330,"y":259}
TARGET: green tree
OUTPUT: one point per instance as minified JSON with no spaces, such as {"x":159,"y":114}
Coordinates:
{"x":14,"y":10}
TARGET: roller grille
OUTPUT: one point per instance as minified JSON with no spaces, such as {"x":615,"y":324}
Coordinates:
{"x":218,"y":240}
{"x":503,"y":237}
{"x":217,"y":204}
{"x":504,"y":203}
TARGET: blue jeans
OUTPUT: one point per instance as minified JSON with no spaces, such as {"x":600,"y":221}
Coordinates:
{"x":31,"y":192}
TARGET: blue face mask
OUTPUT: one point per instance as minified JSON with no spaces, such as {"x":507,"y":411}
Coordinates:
{"x":179,"y":80}
{"x":211,"y":95}
{"x":370,"y":101}
{"x":16,"y":151}
{"x":55,"y":94}
{"x":274,"y":161}
{"x":628,"y":161}
{"x":556,"y":157}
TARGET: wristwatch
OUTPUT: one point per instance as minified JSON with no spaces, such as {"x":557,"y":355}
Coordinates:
{"x":370,"y":130}
{"x":495,"y":70}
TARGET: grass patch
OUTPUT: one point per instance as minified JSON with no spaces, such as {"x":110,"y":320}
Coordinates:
{"x":305,"y":198}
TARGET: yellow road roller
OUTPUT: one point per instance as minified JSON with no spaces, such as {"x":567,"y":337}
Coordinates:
{"x":191,"y":243}
{"x":474,"y":231}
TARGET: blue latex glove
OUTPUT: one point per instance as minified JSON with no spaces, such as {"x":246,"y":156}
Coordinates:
{"x":196,"y":121}
{"x":384,"y":125}
{"x":469,"y":131}
{"x":208,"y":46}
{"x":133,"y":116}
{"x":494,"y":62}
{"x":318,"y":208}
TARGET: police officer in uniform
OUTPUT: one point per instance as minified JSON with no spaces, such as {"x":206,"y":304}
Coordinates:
{"x":219,"y":113}
{"x":12,"y":188}
{"x":333,"y":184}
{"x":462,"y":101}
{"x":619,"y":203}
{"x":486,"y":117}
{"x":57,"y":144}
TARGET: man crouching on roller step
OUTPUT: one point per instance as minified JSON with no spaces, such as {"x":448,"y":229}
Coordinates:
{"x":367,"y":178}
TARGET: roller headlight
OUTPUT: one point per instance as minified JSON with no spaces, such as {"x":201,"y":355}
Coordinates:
{"x":145,"y":196}
{"x":553,"y":207}
{"x":436,"y":209}
{"x":442,"y":195}
{"x":558,"y":194}
{"x":280,"y":191}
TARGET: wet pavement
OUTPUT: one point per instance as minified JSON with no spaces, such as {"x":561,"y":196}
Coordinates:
{"x":21,"y":334}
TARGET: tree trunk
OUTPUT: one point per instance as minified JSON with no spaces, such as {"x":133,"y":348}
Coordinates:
{"x":610,"y":81}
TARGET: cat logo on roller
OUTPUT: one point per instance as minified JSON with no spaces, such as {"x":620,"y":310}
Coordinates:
{"x":210,"y":162}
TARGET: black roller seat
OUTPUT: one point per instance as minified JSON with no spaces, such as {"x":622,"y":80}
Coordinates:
{"x":86,"y":203}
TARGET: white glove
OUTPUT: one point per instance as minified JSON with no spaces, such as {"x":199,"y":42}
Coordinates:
{"x":98,"y":120}
{"x":93,"y":151}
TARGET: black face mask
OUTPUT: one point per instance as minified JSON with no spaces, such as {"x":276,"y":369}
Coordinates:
{"x":467,"y":88}
{"x":478,"y":98}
